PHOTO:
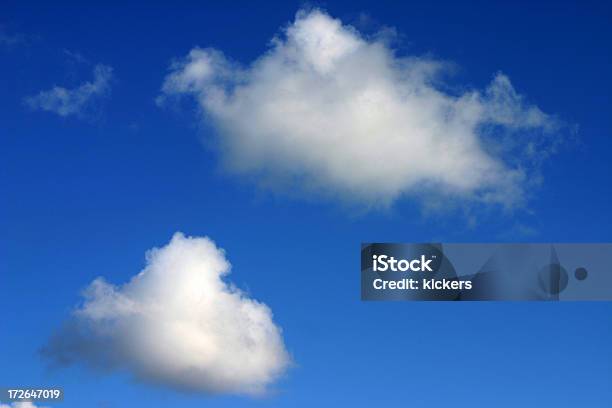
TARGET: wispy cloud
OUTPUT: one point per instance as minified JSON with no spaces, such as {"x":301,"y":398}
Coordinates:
{"x":75,"y":56}
{"x":10,"y":39}
{"x":67,"y":102}
{"x":328,"y":110}
{"x":178,"y":324}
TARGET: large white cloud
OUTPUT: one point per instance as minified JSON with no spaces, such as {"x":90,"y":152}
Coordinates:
{"x":329,"y":110}
{"x":66,"y":102}
{"x":25,"y":404}
{"x":178,"y":324}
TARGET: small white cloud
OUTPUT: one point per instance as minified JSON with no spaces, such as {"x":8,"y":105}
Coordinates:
{"x":66,"y":102}
{"x":25,"y":404}
{"x":177,"y":324}
{"x":328,"y":110}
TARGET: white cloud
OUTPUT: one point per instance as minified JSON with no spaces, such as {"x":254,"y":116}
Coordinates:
{"x":66,"y":102}
{"x":25,"y":404}
{"x":178,"y":324}
{"x":328,"y":110}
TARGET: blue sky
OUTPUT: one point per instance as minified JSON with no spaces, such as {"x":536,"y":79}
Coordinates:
{"x":87,"y":194}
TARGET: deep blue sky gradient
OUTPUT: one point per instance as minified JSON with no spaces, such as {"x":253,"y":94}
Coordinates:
{"x":86,"y":197}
